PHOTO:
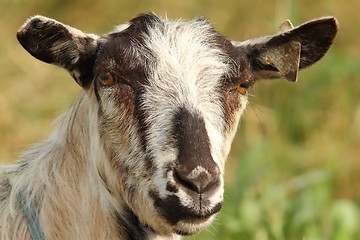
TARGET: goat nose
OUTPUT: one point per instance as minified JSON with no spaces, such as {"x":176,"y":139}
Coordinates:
{"x":199,"y":180}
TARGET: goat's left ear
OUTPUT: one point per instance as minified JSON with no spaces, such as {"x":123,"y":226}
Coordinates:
{"x":283,"y":54}
{"x":53,"y":42}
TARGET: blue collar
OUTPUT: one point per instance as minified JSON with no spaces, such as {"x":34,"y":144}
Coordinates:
{"x":31,"y":215}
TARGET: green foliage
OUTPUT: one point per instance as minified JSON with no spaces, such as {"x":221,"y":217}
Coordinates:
{"x":261,"y":204}
{"x":294,"y":168}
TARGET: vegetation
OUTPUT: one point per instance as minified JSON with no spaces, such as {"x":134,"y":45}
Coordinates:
{"x":294,"y":168}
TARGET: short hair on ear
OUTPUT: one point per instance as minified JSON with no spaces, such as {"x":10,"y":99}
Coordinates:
{"x":292,"y":49}
{"x":53,"y":42}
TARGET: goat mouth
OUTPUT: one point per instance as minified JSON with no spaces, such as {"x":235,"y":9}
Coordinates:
{"x":193,"y":225}
{"x":193,"y":217}
{"x":174,"y":212}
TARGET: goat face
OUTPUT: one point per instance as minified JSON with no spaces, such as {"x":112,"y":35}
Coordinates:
{"x":169,"y":96}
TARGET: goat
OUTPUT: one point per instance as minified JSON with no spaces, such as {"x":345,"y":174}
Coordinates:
{"x":141,"y":153}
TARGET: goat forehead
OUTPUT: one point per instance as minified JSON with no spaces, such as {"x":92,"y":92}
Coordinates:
{"x":189,"y":63}
{"x":170,"y":50}
{"x":187,"y":47}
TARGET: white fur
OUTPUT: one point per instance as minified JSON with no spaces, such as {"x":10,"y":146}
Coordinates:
{"x":93,"y":167}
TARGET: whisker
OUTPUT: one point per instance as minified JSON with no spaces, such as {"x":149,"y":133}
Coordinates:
{"x":257,"y":107}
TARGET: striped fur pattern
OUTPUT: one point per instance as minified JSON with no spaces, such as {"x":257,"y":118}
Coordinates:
{"x":141,"y":152}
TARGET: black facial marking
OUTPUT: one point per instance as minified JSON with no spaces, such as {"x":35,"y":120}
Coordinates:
{"x":173,"y":211}
{"x":143,"y":127}
{"x":124,"y":54}
{"x":242,"y":76}
{"x":171,"y":188}
{"x":129,"y":225}
{"x":97,"y":94}
{"x":85,"y":65}
{"x":192,"y":142}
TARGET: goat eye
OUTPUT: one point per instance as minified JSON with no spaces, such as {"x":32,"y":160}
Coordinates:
{"x":241,"y":89}
{"x":106,"y":79}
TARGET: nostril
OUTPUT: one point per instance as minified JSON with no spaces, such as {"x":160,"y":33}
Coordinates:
{"x":199,"y":183}
{"x":181,"y":179}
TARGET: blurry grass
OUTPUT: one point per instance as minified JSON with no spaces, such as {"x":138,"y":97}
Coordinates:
{"x":294,"y":168}
{"x":263,"y":204}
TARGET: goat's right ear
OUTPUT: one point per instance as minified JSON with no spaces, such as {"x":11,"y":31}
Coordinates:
{"x":53,"y":42}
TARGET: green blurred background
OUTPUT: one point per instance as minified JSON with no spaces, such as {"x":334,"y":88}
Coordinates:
{"x":294,"y":170}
